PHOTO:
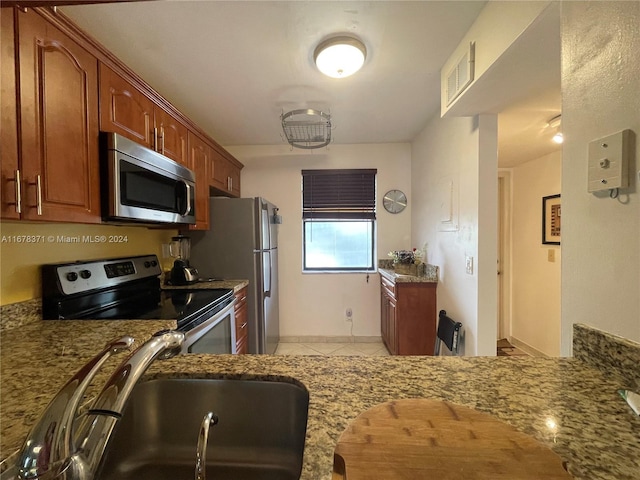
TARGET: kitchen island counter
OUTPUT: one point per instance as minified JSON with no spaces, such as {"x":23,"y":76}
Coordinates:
{"x":568,"y":404}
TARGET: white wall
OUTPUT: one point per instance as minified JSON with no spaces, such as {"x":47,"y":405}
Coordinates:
{"x":314,"y":304}
{"x":462,"y":150}
{"x":496,"y":28}
{"x":600,"y":235}
{"x":535,"y":287}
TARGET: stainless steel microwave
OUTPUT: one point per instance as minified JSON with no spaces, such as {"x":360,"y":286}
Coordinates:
{"x":139,"y":185}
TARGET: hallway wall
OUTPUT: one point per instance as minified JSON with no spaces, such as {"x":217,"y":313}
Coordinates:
{"x":535,"y":285}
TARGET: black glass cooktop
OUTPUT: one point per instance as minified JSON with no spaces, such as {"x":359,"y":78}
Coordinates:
{"x":142,"y":301}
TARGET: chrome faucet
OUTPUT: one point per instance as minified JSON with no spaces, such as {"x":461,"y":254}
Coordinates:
{"x":64,"y":445}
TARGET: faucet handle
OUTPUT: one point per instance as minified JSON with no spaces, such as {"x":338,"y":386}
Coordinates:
{"x":209,"y":420}
{"x":49,"y":445}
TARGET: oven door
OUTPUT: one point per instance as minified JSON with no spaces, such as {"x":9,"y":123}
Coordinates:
{"x":216,"y":335}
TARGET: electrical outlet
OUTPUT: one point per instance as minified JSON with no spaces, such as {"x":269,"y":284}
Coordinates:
{"x":349,"y":314}
{"x":469,"y":265}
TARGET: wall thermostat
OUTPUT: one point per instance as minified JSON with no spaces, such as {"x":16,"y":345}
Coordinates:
{"x":609,"y":161}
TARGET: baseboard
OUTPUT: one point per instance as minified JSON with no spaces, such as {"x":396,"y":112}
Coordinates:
{"x":534,"y":352}
{"x":330,"y":339}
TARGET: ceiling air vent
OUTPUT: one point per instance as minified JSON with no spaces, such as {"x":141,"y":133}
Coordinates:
{"x":307,"y":128}
{"x":461,"y":75}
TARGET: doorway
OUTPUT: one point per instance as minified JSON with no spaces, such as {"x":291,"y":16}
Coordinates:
{"x":504,"y":255}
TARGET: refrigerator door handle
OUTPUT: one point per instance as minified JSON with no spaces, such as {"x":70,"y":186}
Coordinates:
{"x":267,"y":279}
{"x":266,"y":225}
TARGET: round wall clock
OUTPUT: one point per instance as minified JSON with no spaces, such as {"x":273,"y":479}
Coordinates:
{"x":394,"y":201}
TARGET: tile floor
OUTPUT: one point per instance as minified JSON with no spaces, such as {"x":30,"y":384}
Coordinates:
{"x":504,"y":348}
{"x":374,"y":349}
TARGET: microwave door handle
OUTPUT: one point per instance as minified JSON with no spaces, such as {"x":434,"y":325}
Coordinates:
{"x":187,"y":209}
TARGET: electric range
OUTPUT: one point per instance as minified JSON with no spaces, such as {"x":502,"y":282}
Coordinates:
{"x":124,"y":288}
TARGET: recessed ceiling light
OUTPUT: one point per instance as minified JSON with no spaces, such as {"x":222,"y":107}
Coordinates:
{"x":339,"y":57}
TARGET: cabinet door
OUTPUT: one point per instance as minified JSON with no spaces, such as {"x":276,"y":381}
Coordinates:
{"x":59,"y":119}
{"x":9,"y":121}
{"x":172,"y":136}
{"x":124,"y":109}
{"x":242,"y":326}
{"x":388,"y":320}
{"x":220,"y":173}
{"x":234,"y":175}
{"x":384,"y":317}
{"x":392,"y":327}
{"x":199,"y":162}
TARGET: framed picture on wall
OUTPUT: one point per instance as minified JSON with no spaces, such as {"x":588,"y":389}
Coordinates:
{"x":551,"y":220}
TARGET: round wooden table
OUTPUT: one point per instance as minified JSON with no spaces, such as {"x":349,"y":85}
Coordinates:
{"x":417,"y":439}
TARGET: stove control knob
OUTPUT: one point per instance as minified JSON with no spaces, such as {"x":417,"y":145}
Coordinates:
{"x":153,"y":263}
{"x":85,"y":274}
{"x":147,"y":264}
{"x":72,"y":276}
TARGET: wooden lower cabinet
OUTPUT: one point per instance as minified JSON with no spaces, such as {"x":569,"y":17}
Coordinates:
{"x":408,"y":317}
{"x":242,"y":327}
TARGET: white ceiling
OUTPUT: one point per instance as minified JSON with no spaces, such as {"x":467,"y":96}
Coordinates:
{"x":234,"y":66}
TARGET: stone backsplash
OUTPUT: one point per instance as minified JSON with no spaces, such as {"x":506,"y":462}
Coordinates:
{"x":610,"y":353}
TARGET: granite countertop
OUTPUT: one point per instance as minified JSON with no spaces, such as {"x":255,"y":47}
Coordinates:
{"x":568,"y":404}
{"x":236,"y":285}
{"x":424,"y":273}
{"x":431,"y":276}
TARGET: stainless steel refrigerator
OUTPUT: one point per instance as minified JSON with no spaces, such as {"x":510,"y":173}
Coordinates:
{"x":242,"y":243}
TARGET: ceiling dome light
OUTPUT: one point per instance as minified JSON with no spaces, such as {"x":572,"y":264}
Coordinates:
{"x":558,"y":138}
{"x":339,"y":57}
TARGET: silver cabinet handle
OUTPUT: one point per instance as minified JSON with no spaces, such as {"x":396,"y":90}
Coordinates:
{"x":38,"y":184}
{"x":155,"y":138}
{"x":18,"y":192}
{"x":39,"y":194}
{"x":162,"y":138}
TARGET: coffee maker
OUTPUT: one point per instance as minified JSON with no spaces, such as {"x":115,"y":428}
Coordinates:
{"x":182,"y":272}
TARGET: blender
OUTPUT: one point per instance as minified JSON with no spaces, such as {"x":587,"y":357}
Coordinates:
{"x":182,"y":272}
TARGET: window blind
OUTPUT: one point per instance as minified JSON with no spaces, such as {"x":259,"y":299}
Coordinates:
{"x":339,"y":194}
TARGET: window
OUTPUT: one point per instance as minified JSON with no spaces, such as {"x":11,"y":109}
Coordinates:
{"x":338,"y":218}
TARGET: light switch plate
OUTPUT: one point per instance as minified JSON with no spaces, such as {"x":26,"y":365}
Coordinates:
{"x":469,"y":265}
{"x":609,"y":162}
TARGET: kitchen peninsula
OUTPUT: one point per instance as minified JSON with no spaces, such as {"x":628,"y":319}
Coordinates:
{"x":566,"y":403}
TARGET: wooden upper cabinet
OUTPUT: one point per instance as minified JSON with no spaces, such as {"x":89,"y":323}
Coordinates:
{"x":124,"y":110}
{"x":225,"y":175}
{"x":234,"y":175}
{"x":59,"y":124}
{"x":127,"y":111}
{"x":9,"y":121}
{"x":200,"y":163}
{"x":172,"y":136}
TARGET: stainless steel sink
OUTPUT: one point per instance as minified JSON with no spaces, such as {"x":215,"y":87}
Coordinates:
{"x":260,"y":433}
